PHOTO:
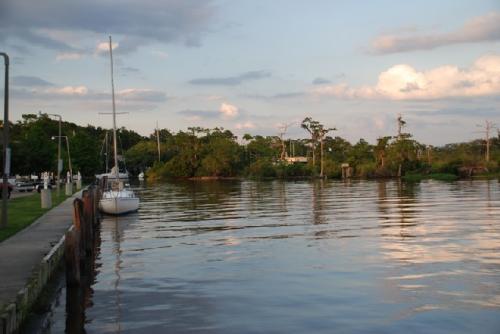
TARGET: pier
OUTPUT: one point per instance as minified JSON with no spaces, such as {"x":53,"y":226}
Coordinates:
{"x":30,"y":258}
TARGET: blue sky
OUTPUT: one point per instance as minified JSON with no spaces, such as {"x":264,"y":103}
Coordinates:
{"x":250,"y":66}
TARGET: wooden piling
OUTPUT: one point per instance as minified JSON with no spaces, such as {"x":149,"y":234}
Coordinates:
{"x":72,"y":258}
{"x":88,"y":217}
{"x":80,"y":227}
{"x":97,"y":198}
{"x":80,"y":240}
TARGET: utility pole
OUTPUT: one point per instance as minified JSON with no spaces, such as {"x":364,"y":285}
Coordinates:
{"x":67,"y":152}
{"x":6,"y":149}
{"x":59,"y":161}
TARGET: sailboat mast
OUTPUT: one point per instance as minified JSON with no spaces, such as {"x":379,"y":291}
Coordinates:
{"x":106,"y":150}
{"x":114,"y":109}
{"x":158,"y":140}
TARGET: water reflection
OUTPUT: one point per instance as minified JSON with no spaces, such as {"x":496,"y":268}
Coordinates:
{"x":449,"y":262}
{"x":80,"y":298}
{"x":300,"y":257}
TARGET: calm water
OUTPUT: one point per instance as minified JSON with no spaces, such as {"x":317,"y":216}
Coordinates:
{"x":299,"y":257}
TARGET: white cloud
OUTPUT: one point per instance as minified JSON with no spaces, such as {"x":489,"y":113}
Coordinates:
{"x":130,"y":95}
{"x":245,"y":125}
{"x":141,"y":94}
{"x":68,"y":91}
{"x":68,"y":56}
{"x":479,"y":29}
{"x":228,"y":110}
{"x":402,"y":82}
{"x":103,"y":47}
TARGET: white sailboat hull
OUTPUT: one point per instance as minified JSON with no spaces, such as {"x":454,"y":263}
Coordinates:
{"x":118,"y":202}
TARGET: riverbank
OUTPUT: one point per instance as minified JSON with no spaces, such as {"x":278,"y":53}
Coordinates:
{"x":28,"y":260}
{"x":410,"y":177}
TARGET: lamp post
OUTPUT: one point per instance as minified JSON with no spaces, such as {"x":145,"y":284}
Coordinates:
{"x":59,"y":162}
{"x":69,"y":156}
{"x":6,"y":149}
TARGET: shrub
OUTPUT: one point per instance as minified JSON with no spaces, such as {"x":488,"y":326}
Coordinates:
{"x":331,"y":169}
{"x":261,"y":168}
{"x":366,"y":169}
{"x":284,"y":170}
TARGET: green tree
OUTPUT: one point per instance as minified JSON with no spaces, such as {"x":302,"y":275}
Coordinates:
{"x":84,"y":153}
{"x":318,"y":133}
{"x":221,"y":158}
{"x":380,"y":150}
{"x":142,"y":155}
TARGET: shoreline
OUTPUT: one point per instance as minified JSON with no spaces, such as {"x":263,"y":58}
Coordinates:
{"x":410,"y":177}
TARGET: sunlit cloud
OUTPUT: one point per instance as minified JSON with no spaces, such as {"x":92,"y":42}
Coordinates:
{"x":244,"y":125}
{"x":478,"y":29}
{"x":103,"y":47}
{"x":403,"y":82}
{"x":142,"y":94}
{"x":68,"y":90}
{"x":228,"y":110}
{"x":34,"y":90}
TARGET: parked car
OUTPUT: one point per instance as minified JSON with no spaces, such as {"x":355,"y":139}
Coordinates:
{"x":23,"y":186}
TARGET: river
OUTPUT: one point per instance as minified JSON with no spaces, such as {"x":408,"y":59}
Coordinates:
{"x":297,"y":257}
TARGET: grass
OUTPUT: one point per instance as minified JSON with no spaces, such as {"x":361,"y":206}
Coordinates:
{"x":23,"y":211}
{"x":433,"y":176}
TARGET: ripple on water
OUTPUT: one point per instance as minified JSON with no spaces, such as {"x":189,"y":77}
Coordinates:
{"x":301,"y":257}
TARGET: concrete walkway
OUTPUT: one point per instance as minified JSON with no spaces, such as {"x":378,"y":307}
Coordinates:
{"x":21,"y":254}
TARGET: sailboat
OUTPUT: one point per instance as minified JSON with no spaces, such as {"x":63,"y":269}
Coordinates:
{"x":111,"y":175}
{"x":117,"y":198}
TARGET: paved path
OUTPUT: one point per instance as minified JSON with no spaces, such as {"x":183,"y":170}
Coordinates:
{"x":21,"y":253}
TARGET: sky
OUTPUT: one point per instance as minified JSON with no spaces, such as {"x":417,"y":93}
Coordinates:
{"x":253,"y":66}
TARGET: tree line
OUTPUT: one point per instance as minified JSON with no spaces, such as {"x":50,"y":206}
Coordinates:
{"x":217,"y":152}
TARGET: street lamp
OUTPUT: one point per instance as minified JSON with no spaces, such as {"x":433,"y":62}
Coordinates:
{"x":59,"y":162}
{"x":6,"y":149}
{"x":69,"y":156}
